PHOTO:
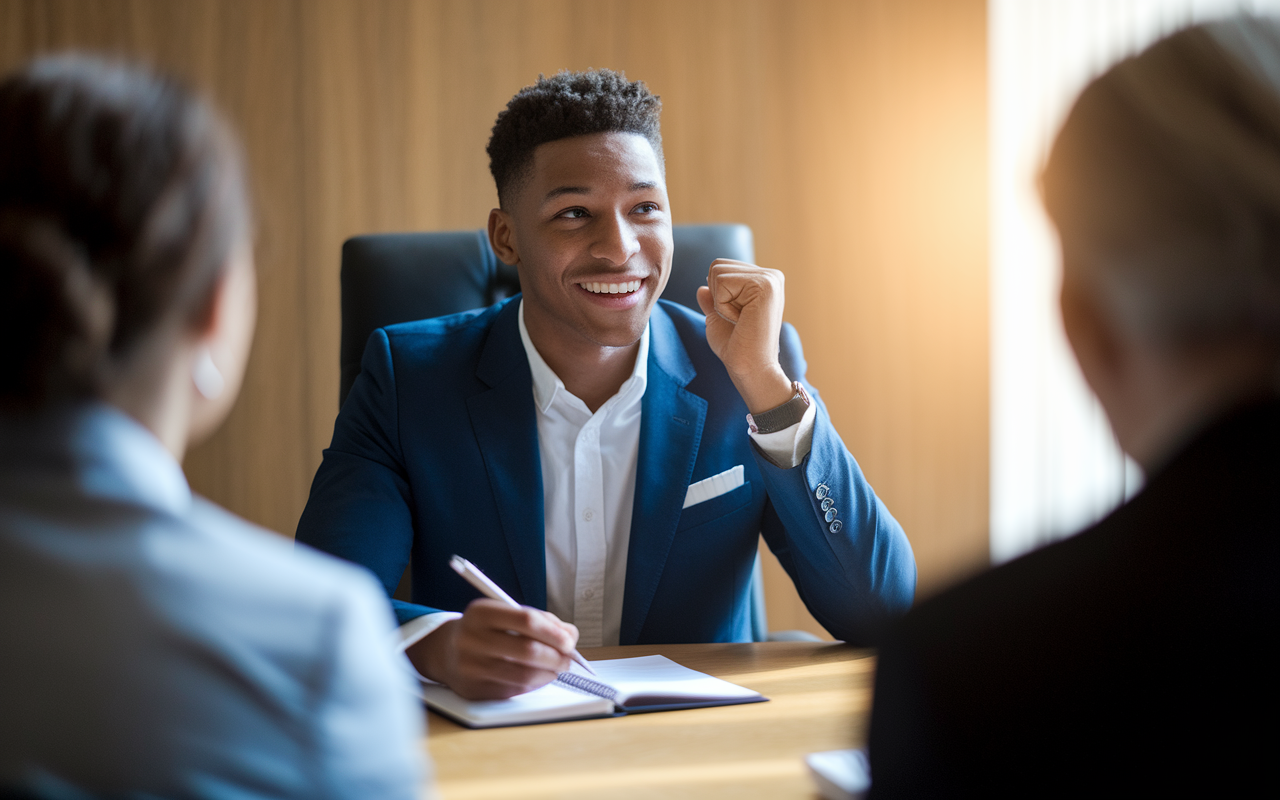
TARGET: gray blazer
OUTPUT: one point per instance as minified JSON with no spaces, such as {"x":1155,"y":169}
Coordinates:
{"x":153,"y":644}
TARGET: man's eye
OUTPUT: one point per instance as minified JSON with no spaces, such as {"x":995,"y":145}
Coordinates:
{"x":573,"y":213}
{"x":647,"y":208}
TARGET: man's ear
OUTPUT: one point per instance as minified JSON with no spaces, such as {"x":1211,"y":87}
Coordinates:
{"x":502,"y":237}
{"x":1092,"y":335}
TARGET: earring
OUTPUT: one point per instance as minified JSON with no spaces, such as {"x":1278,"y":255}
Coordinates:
{"x":209,"y":381}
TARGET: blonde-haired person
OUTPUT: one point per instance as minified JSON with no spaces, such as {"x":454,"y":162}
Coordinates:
{"x":1136,"y":657}
{"x":154,"y":644}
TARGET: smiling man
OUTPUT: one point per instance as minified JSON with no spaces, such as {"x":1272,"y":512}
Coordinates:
{"x":587,"y":446}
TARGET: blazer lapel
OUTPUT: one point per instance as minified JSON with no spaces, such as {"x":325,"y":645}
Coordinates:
{"x":671,"y":421}
{"x":507,"y":433}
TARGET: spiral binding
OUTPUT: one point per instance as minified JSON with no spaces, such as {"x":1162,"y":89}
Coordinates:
{"x":587,"y":685}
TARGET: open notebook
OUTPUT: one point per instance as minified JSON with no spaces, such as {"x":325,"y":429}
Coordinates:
{"x":622,"y":686}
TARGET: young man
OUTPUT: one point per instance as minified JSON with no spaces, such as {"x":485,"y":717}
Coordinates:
{"x":588,"y":447}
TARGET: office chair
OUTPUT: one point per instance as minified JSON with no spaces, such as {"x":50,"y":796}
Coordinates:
{"x":399,"y":277}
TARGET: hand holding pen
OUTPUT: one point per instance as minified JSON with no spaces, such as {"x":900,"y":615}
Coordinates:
{"x":472,"y":575}
{"x":496,"y":650}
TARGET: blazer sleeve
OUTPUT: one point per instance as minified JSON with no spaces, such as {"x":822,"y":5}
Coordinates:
{"x":359,"y":506}
{"x":855,"y":572}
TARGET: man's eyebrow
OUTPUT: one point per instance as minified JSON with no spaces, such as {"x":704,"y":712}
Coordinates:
{"x":563,"y":190}
{"x":560,"y":191}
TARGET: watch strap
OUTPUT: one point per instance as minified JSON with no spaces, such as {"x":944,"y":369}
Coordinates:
{"x":783,"y":416}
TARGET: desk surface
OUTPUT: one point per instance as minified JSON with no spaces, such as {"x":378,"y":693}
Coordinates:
{"x":820,"y":695}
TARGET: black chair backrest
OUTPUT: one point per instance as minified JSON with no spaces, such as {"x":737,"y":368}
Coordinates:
{"x":399,"y":277}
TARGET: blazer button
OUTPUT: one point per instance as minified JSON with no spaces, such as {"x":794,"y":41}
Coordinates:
{"x":830,"y":515}
{"x":822,"y":491}
{"x":836,"y":525}
{"x":827,"y":503}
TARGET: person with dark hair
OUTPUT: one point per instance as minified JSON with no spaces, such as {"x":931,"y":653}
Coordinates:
{"x":1137,"y":657}
{"x":610,"y":459}
{"x":153,"y":644}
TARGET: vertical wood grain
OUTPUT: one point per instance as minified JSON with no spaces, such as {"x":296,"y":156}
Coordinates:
{"x":850,"y":135}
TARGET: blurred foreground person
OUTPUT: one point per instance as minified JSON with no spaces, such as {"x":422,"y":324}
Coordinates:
{"x":1136,"y":656}
{"x":152,"y":644}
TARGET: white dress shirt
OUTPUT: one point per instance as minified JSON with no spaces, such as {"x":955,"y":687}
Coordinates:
{"x":588,"y":487}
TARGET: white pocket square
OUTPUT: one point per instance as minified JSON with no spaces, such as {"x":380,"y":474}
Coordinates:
{"x":714,"y":486}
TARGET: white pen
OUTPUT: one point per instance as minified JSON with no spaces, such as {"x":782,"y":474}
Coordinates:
{"x":472,"y":575}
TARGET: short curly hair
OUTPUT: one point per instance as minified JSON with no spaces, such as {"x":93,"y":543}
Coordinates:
{"x":565,"y":105}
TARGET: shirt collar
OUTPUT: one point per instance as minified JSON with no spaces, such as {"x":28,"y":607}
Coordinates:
{"x":546,"y":383}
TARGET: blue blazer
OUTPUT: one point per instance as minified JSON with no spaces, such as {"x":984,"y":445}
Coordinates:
{"x":435,"y":452}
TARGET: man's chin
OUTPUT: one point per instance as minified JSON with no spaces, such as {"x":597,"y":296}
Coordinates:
{"x":615,"y":333}
{"x":615,"y":338}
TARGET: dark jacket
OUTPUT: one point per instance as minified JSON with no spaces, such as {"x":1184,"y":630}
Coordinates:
{"x":1137,"y":655}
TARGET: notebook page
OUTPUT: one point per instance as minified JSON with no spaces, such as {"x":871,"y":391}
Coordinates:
{"x":651,"y":680}
{"x":551,"y":702}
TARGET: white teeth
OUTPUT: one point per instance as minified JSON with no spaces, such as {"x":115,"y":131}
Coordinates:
{"x":611,"y":288}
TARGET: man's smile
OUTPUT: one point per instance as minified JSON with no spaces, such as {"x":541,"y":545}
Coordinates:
{"x":601,"y":287}
{"x":615,"y":295}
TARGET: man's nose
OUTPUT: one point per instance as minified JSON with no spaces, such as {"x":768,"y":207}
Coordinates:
{"x":617,"y":241}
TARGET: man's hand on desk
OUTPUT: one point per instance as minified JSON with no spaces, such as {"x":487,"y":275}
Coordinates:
{"x":495,"y":651}
{"x":743,"y":304}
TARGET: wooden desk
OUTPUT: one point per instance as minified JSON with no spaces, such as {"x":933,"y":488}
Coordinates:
{"x":820,"y":695}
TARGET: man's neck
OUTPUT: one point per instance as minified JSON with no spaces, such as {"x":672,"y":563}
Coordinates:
{"x":1174,"y":399}
{"x":589,"y":371}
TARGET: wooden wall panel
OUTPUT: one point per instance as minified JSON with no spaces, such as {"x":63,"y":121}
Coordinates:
{"x":850,"y":134}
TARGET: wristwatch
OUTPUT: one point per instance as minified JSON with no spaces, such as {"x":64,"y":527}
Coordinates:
{"x":784,"y":416}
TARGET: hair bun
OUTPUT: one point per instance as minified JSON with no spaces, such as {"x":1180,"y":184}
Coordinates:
{"x":56,"y":314}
